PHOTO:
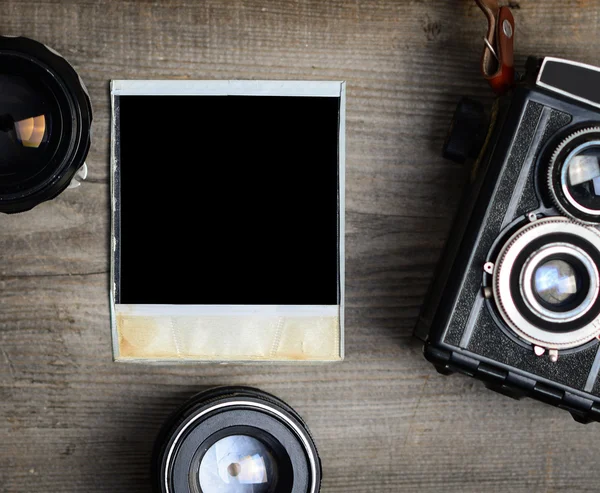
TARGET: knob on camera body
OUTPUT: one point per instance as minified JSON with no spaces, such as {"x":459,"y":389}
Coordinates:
{"x":515,"y":302}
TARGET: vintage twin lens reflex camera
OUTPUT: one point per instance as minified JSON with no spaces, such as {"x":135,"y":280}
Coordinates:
{"x":515,"y":301}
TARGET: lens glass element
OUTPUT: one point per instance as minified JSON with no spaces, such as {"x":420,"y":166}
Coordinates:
{"x":583,"y":177}
{"x":557,"y":283}
{"x":31,"y":124}
{"x":238,"y":464}
{"x":27,"y":117}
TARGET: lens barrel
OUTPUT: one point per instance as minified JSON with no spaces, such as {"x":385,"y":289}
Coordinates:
{"x":235,"y":440}
{"x":45,"y":123}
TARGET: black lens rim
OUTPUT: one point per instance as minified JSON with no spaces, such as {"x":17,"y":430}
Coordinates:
{"x":76,"y":115}
{"x":168,"y":439}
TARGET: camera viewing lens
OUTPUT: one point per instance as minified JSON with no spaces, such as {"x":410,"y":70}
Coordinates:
{"x":235,"y":440}
{"x":582,"y":178}
{"x":238,"y":464}
{"x":574,"y":176}
{"x":546,"y":283}
{"x":45,"y":119}
{"x":556,"y":283}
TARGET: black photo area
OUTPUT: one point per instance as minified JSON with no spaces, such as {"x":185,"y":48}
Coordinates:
{"x":228,"y":200}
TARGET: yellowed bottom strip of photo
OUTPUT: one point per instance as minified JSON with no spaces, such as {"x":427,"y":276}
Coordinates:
{"x":209,"y":333}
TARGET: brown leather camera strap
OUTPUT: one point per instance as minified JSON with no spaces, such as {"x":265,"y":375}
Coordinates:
{"x":497,"y":62}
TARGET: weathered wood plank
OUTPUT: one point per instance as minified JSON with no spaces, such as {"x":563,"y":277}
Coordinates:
{"x":71,"y":420}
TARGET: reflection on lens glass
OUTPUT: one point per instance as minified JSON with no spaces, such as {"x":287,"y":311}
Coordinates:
{"x":31,"y":131}
{"x":238,"y":464}
{"x":584,"y":177}
{"x":25,"y":128}
{"x":556,"y":282}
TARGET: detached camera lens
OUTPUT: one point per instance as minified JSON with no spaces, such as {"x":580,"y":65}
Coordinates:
{"x":574,"y":176}
{"x":45,"y":118}
{"x":235,"y":440}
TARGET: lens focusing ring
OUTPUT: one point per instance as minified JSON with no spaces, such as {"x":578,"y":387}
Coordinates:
{"x":557,"y":178}
{"x":232,"y":411}
{"x":512,"y":287}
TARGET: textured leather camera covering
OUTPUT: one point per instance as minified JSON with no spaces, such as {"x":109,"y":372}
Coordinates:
{"x":537,"y":124}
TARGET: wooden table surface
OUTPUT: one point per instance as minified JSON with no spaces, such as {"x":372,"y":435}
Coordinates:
{"x":73,"y":421}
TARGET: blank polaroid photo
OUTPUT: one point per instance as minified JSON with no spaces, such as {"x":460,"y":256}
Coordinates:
{"x":227,"y":220}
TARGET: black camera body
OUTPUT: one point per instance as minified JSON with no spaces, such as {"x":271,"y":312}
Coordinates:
{"x":515,"y":299}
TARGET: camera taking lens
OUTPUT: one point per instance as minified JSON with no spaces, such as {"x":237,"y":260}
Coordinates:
{"x":235,"y":440}
{"x":546,"y":283}
{"x":45,"y":118}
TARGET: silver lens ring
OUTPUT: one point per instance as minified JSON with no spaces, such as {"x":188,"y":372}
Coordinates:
{"x":536,"y":260}
{"x":504,"y":273}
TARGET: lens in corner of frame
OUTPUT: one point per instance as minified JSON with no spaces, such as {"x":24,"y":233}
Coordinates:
{"x":45,"y":119}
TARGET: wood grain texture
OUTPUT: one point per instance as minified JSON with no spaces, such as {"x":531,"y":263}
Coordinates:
{"x":73,"y":421}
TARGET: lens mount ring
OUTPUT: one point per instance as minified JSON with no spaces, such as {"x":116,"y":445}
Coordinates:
{"x":537,"y":259}
{"x":225,"y":412}
{"x":558,"y":180}
{"x":567,"y":332}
